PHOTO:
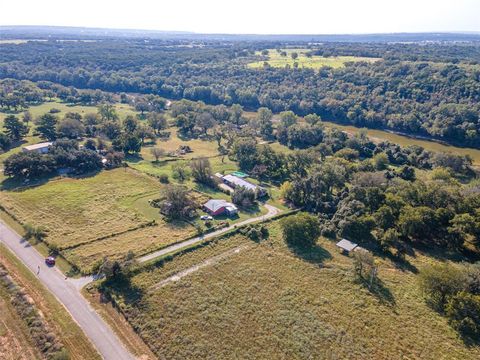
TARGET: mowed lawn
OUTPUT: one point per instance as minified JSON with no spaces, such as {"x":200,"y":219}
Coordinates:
{"x":313,"y":62}
{"x":79,"y":210}
{"x":267,"y":301}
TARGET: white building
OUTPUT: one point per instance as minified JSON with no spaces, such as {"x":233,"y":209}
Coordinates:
{"x":41,"y":148}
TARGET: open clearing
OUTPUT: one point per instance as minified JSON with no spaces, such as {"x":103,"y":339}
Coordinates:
{"x":314,"y":62}
{"x":268,"y":301}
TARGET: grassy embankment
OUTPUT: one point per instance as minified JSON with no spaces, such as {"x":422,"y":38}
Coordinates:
{"x":19,"y":346}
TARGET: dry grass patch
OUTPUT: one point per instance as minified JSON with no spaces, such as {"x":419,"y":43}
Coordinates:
{"x":78,"y":345}
{"x":140,"y":242}
{"x":14,"y":336}
{"x":79,"y":210}
{"x":271,"y":302}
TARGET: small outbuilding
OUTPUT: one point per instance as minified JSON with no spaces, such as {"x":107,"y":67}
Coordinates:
{"x":346,"y":246}
{"x":41,"y":148}
{"x":219,"y":207}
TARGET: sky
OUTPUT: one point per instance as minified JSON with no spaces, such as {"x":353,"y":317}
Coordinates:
{"x":250,"y":16}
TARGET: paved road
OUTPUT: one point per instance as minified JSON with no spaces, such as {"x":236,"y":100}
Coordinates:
{"x":68,"y":293}
{"x":272,"y":211}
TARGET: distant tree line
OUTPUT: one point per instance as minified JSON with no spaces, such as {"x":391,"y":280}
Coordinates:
{"x":414,"y":96}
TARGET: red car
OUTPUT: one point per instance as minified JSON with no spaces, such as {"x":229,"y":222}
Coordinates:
{"x":50,"y":261}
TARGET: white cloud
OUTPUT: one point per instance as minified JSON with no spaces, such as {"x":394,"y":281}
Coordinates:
{"x":251,"y":16}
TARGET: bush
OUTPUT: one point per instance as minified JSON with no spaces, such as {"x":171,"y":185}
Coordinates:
{"x":163,"y":179}
{"x":463,"y":311}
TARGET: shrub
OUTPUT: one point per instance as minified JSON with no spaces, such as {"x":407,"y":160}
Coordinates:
{"x":163,"y":178}
{"x":463,"y":311}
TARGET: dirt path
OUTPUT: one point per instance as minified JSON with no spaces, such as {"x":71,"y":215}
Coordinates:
{"x":211,"y":261}
{"x":272,"y":211}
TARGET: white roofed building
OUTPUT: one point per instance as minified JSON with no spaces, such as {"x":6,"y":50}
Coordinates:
{"x":41,"y":148}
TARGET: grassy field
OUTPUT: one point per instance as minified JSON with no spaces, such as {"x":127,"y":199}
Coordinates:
{"x":92,"y":217}
{"x":139,"y":241}
{"x":18,"y":347}
{"x":67,"y":207}
{"x":314,"y":62}
{"x":268,"y":301}
{"x":37,"y":110}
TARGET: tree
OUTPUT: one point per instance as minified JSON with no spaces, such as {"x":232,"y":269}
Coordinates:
{"x":5,"y":142}
{"x":107,"y":112}
{"x":128,"y":143}
{"x":141,"y":106}
{"x":157,"y":121}
{"x":294,"y":55}
{"x":46,"y":125}
{"x":312,"y":119}
{"x":417,"y":223}
{"x":157,"y":153}
{"x":202,"y":171}
{"x":14,"y":128}
{"x":286,"y":189}
{"x":245,"y":152}
{"x":144,"y":132}
{"x":130,"y":124}
{"x":264,"y":122}
{"x":441,"y":281}
{"x":364,"y":266}
{"x":114,"y":159}
{"x":301,"y":229}
{"x":236,"y":112}
{"x":70,"y":128}
{"x":243,"y":197}
{"x":176,"y":202}
{"x":29,"y":165}
{"x":90,"y":144}
{"x":407,"y":173}
{"x":380,"y":161}
{"x":287,"y":118}
{"x":205,"y":121}
{"x":27,"y":117}
{"x":180,"y":172}
{"x":111,"y":129}
{"x":465,"y":227}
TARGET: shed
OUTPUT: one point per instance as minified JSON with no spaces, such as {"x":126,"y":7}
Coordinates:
{"x":346,"y":245}
{"x":41,"y":148}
